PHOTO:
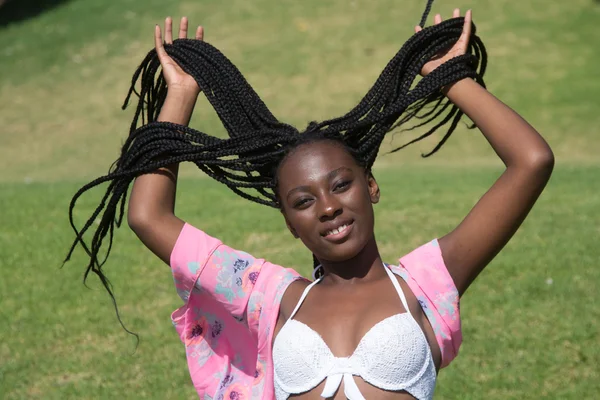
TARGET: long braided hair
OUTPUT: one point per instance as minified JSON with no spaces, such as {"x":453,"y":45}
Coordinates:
{"x":246,"y":162}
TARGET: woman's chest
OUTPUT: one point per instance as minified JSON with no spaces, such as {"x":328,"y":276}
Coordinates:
{"x":365,"y":317}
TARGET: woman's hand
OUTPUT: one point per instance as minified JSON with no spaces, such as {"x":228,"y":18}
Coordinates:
{"x":177,"y":79}
{"x":459,"y":48}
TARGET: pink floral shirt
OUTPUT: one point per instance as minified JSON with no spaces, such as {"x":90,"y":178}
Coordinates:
{"x":232,"y":303}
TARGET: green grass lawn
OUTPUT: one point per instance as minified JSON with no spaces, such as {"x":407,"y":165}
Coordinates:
{"x":530,"y":320}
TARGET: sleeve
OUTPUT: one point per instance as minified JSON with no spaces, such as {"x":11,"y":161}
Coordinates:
{"x":202,"y":263}
{"x":434,"y":288}
{"x":190,"y":254}
{"x":223,"y":305}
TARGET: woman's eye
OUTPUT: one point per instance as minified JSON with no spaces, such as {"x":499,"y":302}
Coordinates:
{"x":301,"y":202}
{"x":341,"y":185}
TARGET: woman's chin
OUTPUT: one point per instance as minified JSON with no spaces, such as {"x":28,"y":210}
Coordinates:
{"x":342,"y":252}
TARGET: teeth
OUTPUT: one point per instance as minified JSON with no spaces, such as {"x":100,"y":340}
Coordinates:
{"x":337,"y":230}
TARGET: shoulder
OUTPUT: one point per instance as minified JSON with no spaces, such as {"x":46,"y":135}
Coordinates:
{"x":426,"y":274}
{"x":425,"y":268}
{"x":291,"y":296}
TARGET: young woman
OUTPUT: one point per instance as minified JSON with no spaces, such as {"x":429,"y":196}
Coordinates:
{"x":362,"y":328}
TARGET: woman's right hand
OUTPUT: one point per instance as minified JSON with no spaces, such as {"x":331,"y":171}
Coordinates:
{"x":176,"y":78}
{"x":458,"y":49}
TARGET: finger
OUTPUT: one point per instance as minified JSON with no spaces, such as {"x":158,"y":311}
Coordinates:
{"x":200,"y":33}
{"x":183,"y":28}
{"x":465,"y":36}
{"x":456,"y":13}
{"x":169,"y":30}
{"x":418,"y":29}
{"x":437,"y":19}
{"x":158,"y":43}
{"x":466,"y":33}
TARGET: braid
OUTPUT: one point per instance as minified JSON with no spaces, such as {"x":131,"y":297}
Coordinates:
{"x":318,"y":270}
{"x":426,"y":13}
{"x":246,"y":162}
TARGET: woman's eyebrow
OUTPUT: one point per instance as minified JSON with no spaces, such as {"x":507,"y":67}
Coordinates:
{"x":336,"y":171}
{"x":330,"y":175}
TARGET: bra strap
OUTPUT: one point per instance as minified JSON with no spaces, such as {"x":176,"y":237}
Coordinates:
{"x":303,"y":297}
{"x":398,"y":287}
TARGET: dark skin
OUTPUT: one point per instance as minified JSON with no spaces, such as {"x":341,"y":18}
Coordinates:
{"x":321,"y":185}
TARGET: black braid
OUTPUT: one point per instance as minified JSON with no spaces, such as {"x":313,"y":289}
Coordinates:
{"x":247,"y":161}
{"x":317,"y":268}
{"x":426,"y":13}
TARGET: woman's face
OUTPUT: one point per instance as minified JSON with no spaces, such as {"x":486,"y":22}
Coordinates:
{"x":327,"y":200}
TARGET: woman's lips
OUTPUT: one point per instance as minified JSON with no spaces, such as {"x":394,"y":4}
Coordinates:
{"x":340,"y":233}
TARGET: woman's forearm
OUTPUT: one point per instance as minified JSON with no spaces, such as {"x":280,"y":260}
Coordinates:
{"x":515,"y":141}
{"x":178,"y":107}
{"x":153,"y":194}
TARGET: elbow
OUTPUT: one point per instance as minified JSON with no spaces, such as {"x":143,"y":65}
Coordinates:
{"x":137,"y":219}
{"x":540,"y":161}
{"x":543,"y":160}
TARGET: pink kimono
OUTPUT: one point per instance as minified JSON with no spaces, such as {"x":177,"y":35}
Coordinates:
{"x":232,"y":303}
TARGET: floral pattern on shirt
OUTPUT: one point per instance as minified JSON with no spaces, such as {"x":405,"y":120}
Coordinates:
{"x":232,"y":301}
{"x":237,"y":273}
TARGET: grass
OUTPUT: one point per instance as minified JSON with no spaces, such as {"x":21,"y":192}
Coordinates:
{"x":65,"y":74}
{"x":524,"y":336}
{"x":529,"y":321}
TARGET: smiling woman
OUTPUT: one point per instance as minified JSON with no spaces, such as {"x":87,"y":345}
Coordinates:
{"x":363,"y":328}
{"x":326,"y":199}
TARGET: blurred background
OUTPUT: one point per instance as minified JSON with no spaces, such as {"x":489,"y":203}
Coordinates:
{"x":530,"y":320}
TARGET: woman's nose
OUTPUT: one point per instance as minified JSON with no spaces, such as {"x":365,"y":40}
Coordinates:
{"x":330,"y":208}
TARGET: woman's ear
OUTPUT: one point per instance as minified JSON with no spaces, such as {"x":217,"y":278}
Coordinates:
{"x":374,"y":192}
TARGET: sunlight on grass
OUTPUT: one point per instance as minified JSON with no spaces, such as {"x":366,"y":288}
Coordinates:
{"x":64,"y":75}
{"x":530,"y":321}
{"x":530,"y":317}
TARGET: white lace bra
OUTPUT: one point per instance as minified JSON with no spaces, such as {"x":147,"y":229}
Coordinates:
{"x":393,"y":355}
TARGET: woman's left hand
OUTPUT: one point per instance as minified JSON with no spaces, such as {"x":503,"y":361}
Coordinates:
{"x":459,"y":48}
{"x":176,"y":78}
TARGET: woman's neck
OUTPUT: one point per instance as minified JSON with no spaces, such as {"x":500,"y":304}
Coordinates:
{"x":362,"y":268}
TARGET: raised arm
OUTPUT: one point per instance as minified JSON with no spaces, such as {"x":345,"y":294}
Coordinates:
{"x":152,"y":202}
{"x":499,"y":213}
